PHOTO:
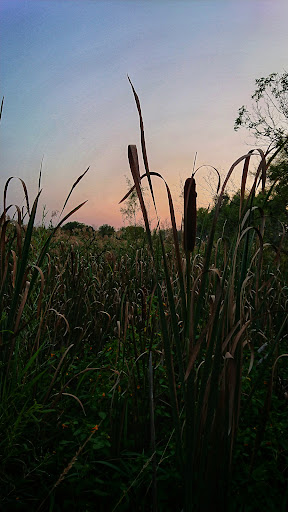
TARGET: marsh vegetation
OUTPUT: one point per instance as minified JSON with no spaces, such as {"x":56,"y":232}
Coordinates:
{"x":139,"y":373}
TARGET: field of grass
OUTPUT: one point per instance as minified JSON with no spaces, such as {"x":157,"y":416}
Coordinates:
{"x":139,"y":373}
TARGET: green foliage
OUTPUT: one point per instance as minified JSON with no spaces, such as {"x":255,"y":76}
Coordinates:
{"x":104,"y":304}
{"x":268,"y":118}
{"x":130,"y":209}
{"x":134,"y":376}
{"x":219,"y":312}
{"x":106,"y":230}
{"x":132,"y":233}
{"x":277,"y":174}
{"x":275,"y":213}
{"x":73,"y":225}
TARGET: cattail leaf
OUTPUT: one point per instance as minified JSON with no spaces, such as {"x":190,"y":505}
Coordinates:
{"x":244,"y":179}
{"x":25,"y":193}
{"x":22,"y":266}
{"x":56,"y":373}
{"x":72,"y":188}
{"x":143,"y":144}
{"x":174,"y":230}
{"x":40,"y":174}
{"x":77,"y":400}
{"x":1,"y":110}
{"x":134,"y":166}
{"x":217,"y":172}
{"x":60,"y":315}
{"x":172,"y":308}
{"x":190,"y":214}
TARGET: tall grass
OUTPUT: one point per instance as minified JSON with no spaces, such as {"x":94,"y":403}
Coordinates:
{"x":223,"y":312}
{"x":132,"y":371}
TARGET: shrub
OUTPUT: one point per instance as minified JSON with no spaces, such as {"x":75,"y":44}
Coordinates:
{"x":106,"y":230}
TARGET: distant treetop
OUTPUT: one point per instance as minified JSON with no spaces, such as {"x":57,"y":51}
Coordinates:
{"x":105,"y":229}
{"x":71,"y":226}
{"x":268,"y":118}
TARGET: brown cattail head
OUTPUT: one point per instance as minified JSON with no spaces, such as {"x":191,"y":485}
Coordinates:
{"x":190,"y":214}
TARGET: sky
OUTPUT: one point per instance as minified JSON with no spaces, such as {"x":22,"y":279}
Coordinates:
{"x":68,"y":102}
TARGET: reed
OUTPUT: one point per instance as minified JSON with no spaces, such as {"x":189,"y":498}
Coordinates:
{"x":156,"y":362}
{"x":220,"y":311}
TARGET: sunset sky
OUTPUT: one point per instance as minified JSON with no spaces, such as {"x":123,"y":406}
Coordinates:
{"x":63,"y":70}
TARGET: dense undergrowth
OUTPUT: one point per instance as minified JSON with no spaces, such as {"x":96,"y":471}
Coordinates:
{"x":76,"y":366}
{"x":138,"y":375}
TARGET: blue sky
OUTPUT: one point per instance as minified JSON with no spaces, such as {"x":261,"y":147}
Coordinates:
{"x":64,"y":66}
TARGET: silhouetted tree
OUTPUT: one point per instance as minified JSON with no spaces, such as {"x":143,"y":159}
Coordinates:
{"x":106,"y":230}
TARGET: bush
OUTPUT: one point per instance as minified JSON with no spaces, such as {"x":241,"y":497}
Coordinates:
{"x":106,"y":230}
{"x":73,"y":225}
{"x":132,"y":232}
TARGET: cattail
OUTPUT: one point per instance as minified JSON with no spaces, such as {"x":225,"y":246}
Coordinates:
{"x":190,"y":214}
